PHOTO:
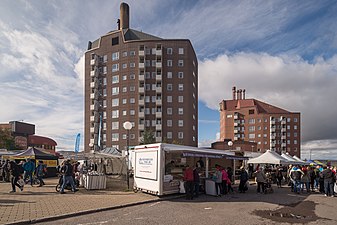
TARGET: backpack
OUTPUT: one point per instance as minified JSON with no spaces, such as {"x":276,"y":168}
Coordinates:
{"x":296,"y":175}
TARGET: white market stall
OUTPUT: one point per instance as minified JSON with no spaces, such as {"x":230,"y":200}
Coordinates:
{"x":149,"y":165}
{"x":290,"y":159}
{"x":269,"y":157}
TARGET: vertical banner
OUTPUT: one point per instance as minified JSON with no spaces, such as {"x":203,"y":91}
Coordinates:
{"x":77,"y":143}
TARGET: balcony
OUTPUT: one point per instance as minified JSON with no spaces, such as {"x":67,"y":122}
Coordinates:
{"x":272,"y":136}
{"x":236,"y":131}
{"x":272,"y":145}
{"x":93,"y":62}
{"x":158,"y":77}
{"x":140,"y":126}
{"x":158,"y":114}
{"x":141,"y":77}
{"x":141,"y":89}
{"x":94,"y":107}
{"x":158,"y":102}
{"x":141,"y":65}
{"x":236,"y":138}
{"x":158,"y":89}
{"x":159,"y":52}
{"x":236,"y":124}
{"x":92,"y":118}
{"x":272,"y":130}
{"x":236,"y":116}
{"x":141,"y":102}
{"x":93,"y":73}
{"x":283,"y":122}
{"x":93,"y":84}
{"x":158,"y":126}
{"x":141,"y":114}
{"x":141,"y":53}
{"x":272,"y":122}
{"x":158,"y":139}
{"x":283,"y":137}
{"x":283,"y":130}
{"x":283,"y":145}
{"x":93,"y":96}
{"x":158,"y":64}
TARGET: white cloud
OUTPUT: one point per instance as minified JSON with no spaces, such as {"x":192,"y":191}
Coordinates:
{"x":285,"y":81}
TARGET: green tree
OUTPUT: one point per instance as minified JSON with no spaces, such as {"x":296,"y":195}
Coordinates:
{"x":148,"y":138}
{"x":6,"y":139}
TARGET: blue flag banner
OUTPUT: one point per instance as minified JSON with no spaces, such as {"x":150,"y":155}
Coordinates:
{"x":77,"y":143}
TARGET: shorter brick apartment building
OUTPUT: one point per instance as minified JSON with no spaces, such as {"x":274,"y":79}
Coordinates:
{"x":268,"y":126}
{"x":24,"y":137}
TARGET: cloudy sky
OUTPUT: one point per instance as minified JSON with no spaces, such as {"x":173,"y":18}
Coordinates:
{"x":281,"y":52}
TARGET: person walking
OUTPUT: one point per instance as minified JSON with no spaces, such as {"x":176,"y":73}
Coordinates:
{"x":305,"y":180}
{"x":196,"y":179}
{"x":312,"y":178}
{"x":28,"y":168}
{"x":5,"y":171}
{"x":295,"y":177}
{"x":260,"y":179}
{"x":329,"y":181}
{"x":218,"y":180}
{"x":279,"y":177}
{"x":224,"y":181}
{"x":67,"y":171}
{"x":14,"y":175}
{"x":39,"y":172}
{"x":243,"y":180}
{"x":189,"y":182}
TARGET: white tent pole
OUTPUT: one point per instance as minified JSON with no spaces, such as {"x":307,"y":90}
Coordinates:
{"x":207,"y":163}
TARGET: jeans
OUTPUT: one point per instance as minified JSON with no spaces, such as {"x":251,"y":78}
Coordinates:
{"x":297,"y":186}
{"x":67,"y":179}
{"x":224,"y":187}
{"x":196,"y":188}
{"x":30,"y":175}
{"x":306,"y":185}
{"x":329,"y":188}
{"x":189,"y":189}
{"x":218,"y":188}
{"x":41,"y":180}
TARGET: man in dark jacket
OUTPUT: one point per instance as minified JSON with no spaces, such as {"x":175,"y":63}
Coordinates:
{"x":329,"y":180}
{"x":67,"y":170}
{"x":243,"y":180}
{"x":15,"y":173}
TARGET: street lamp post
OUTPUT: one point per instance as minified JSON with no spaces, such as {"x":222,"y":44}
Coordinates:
{"x":230,"y":144}
{"x":127,"y":126}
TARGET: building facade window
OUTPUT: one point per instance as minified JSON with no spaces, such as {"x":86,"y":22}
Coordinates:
{"x":115,"y":56}
{"x":180,"y":87}
{"x":115,"y":102}
{"x":180,"y":63}
{"x":169,"y":123}
{"x":169,"y":75}
{"x":115,"y":67}
{"x":115,"y":90}
{"x":169,"y":51}
{"x":181,"y":51}
{"x":181,"y":135}
{"x":115,"y":113}
{"x":180,"y":98}
{"x":115,"y":79}
{"x":169,"y":98}
{"x":169,"y":63}
{"x":180,"y":75}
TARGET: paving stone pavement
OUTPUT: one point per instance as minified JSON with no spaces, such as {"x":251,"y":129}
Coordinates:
{"x":38,"y":203}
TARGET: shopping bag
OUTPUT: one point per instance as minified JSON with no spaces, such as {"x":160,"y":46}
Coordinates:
{"x":335,"y":187}
{"x":21,"y":182}
{"x":182,"y":187}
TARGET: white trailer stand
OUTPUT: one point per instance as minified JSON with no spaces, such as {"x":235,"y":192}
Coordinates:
{"x":148,"y":162}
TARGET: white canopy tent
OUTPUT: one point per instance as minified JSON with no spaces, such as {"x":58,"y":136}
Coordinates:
{"x":290,"y":159}
{"x":269,"y":157}
{"x":300,"y":160}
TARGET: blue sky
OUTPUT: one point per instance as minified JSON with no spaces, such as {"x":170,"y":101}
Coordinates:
{"x":281,"y":52}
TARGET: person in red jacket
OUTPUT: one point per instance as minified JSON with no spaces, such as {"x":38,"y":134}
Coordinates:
{"x":189,"y":182}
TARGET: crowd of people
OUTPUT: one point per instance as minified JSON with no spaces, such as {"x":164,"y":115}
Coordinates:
{"x":301,"y":179}
{"x":19,"y":174}
{"x":27,"y":172}
{"x":222,"y":177}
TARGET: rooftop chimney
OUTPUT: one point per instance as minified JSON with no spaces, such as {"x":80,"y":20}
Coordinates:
{"x":244,"y":94}
{"x":124,"y":16}
{"x":234,"y":93}
{"x":238,"y":95}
